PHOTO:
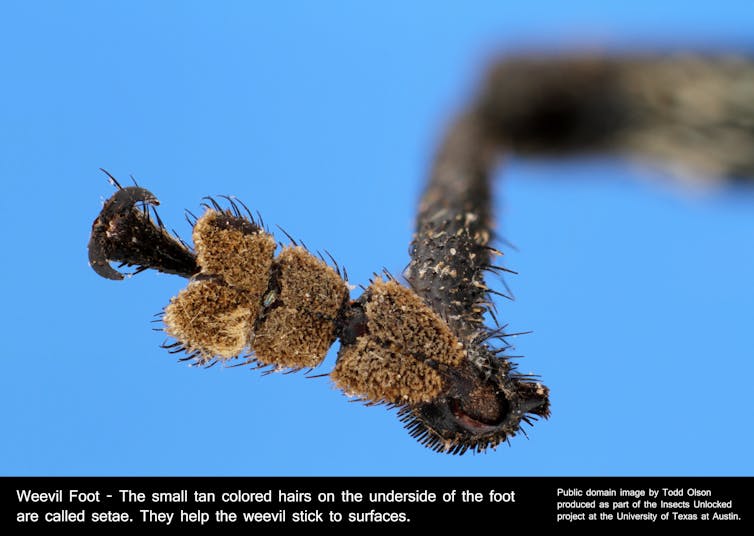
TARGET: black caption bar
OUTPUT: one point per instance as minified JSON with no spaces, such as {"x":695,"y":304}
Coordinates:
{"x":244,"y":502}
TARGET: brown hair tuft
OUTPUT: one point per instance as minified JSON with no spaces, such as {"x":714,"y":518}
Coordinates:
{"x":235,"y":249}
{"x":395,"y":357}
{"x":211,"y":319}
{"x":297,"y":326}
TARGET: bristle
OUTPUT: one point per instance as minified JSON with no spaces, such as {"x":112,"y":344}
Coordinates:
{"x":457,"y":444}
{"x":111,"y":179}
{"x":293,"y":241}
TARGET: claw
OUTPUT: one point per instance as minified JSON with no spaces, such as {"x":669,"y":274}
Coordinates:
{"x":123,"y":200}
{"x":123,"y":233}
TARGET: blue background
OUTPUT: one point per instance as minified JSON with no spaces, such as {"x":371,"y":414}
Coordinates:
{"x":324,"y":117}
